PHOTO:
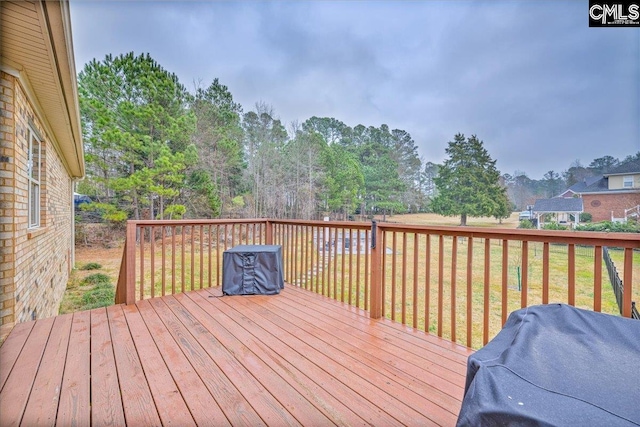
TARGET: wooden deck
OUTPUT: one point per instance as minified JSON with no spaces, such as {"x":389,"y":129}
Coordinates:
{"x":292,"y":359}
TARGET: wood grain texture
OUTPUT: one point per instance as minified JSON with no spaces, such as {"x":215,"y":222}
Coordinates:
{"x":137,"y":401}
{"x":105,"y":390}
{"x":74,"y":408}
{"x":296,"y":358}
{"x":170,"y":403}
{"x":16,"y":390}
{"x":43,"y":402}
{"x":11,"y":349}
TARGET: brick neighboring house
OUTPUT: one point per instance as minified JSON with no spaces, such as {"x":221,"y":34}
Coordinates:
{"x":606,"y":197}
{"x":41,"y":155}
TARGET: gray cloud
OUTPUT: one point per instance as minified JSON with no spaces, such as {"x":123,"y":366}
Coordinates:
{"x":530,"y":78}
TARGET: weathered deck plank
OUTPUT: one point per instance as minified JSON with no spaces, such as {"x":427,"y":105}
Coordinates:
{"x":367,"y":379}
{"x":139,"y":407}
{"x":286,"y":396}
{"x":18,"y":386}
{"x":105,"y":391}
{"x":9,"y":353}
{"x":75,"y":396}
{"x":203,"y":406}
{"x":170,"y":403}
{"x":293,"y":359}
{"x":235,"y":406}
{"x":309,"y":380}
{"x":377,"y":352}
{"x":43,"y":402}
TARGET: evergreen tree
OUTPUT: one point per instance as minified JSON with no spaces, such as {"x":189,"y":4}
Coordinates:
{"x":136,"y":127}
{"x":468,"y":182}
{"x":218,"y":137}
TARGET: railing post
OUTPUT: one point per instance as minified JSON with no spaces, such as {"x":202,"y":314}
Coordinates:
{"x":121,"y":287}
{"x":375,"y":305}
{"x":627,"y":282}
{"x":130,"y":249}
{"x":268,"y":232}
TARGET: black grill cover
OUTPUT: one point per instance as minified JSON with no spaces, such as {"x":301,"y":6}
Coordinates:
{"x":252,"y":270}
{"x":556,"y":365}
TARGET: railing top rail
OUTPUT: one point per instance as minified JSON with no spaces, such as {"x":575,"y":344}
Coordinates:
{"x":158,"y":222}
{"x":356,"y":225}
{"x":593,"y":238}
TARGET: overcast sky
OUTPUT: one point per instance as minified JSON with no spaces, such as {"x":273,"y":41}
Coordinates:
{"x":529,"y":78}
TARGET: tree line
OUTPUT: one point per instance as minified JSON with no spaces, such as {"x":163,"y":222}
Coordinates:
{"x":523,"y":191}
{"x":155,"y":150}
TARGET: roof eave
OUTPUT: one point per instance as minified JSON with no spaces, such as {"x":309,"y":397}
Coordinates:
{"x":57,"y":18}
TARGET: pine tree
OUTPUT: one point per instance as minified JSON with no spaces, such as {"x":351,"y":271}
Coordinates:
{"x":468,"y":182}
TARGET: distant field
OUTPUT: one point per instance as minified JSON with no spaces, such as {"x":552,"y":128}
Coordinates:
{"x":435,"y":219}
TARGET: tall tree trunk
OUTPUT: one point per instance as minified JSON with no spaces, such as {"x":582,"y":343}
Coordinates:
{"x":463,"y":219}
{"x":136,"y":204}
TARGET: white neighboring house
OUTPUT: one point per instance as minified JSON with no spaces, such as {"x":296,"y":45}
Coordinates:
{"x":561,"y":208}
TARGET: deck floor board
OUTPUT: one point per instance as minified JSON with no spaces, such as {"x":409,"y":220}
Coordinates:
{"x":105,"y":389}
{"x":75,"y":395}
{"x":43,"y":401}
{"x":297,"y":358}
{"x":409,"y":372}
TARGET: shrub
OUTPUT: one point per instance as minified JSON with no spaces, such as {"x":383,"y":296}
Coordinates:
{"x":586,"y":217}
{"x":91,"y":266}
{"x":101,"y":296}
{"x":553,"y":226}
{"x":106,"y":211}
{"x":97,"y":279}
{"x":526,"y":223}
{"x":611,"y":227}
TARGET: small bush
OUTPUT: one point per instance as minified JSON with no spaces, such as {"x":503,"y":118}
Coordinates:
{"x":101,"y":296}
{"x":96,"y":279}
{"x":586,"y":217}
{"x":526,"y":223}
{"x":611,"y":227}
{"x":554,"y":226}
{"x":91,"y":266}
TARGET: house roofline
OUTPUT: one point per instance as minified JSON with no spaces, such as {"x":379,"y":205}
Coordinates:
{"x":558,"y":211}
{"x":22,"y":78}
{"x":59,"y":112}
{"x":607,"y":175}
{"x":587,"y":193}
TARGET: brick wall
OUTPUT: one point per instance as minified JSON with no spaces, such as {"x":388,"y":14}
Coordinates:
{"x":7,"y":270}
{"x":36,"y":262}
{"x":601,"y":205}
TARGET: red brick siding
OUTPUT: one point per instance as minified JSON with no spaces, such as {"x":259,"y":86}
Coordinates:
{"x":605,"y":203}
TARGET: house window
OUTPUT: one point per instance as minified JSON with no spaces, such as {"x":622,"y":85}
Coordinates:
{"x":627,"y":181}
{"x":34,"y":163}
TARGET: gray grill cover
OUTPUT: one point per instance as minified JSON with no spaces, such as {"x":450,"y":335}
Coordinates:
{"x":556,"y":365}
{"x":252,"y":270}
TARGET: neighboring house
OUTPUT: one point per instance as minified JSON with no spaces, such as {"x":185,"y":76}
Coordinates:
{"x":41,"y":155}
{"x":561,"y":208}
{"x":610,"y":196}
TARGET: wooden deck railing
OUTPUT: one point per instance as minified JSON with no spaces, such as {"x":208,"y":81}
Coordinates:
{"x":165,"y":257}
{"x":456,"y":282}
